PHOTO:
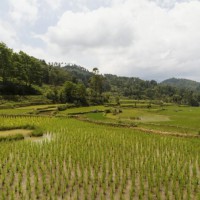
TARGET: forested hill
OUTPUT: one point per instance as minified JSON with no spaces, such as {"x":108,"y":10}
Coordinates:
{"x":78,"y":73}
{"x":182,"y":84}
{"x":22,"y":74}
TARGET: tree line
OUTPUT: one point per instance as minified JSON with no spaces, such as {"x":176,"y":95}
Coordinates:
{"x":136,"y":88}
{"x":22,"y":74}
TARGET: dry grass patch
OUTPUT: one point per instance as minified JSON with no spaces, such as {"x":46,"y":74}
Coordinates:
{"x":23,"y":132}
{"x":154,"y":118}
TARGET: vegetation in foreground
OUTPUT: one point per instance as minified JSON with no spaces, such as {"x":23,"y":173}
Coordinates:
{"x":87,"y":161}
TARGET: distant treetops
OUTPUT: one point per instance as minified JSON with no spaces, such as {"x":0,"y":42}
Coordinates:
{"x":21,"y":74}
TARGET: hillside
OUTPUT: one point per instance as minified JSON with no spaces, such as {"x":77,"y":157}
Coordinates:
{"x":22,"y":74}
{"x":182,"y":84}
{"x":78,"y":73}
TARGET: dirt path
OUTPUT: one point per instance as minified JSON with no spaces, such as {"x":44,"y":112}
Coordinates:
{"x":177,"y":134}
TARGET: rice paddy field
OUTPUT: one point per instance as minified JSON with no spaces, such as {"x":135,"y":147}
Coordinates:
{"x":173,"y":119}
{"x":82,"y":160}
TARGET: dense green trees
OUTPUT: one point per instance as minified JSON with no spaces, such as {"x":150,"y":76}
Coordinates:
{"x":19,"y":70}
{"x":96,"y":86}
{"x":69,"y":93}
{"x":136,"y":88}
{"x":20,"y":73}
{"x":73,"y":93}
{"x":5,"y":63}
{"x":182,"y":84}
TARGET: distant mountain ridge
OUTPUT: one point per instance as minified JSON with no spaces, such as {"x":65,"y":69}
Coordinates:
{"x":182,"y":83}
{"x":80,"y":73}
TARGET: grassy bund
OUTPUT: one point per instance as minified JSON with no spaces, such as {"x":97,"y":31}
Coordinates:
{"x":75,"y":159}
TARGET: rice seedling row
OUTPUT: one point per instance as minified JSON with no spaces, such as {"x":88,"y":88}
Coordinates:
{"x":88,"y":161}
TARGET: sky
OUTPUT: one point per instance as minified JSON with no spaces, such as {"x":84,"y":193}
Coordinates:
{"x":150,"y":39}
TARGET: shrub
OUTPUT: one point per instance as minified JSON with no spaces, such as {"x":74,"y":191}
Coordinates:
{"x":116,"y":111}
{"x":37,"y":133}
{"x":65,"y":106}
{"x":107,"y":111}
{"x":62,"y":107}
{"x":29,"y":127}
{"x":95,"y":111}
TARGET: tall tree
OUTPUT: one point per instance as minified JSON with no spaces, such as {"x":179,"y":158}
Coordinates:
{"x":5,"y":62}
{"x":96,"y":81}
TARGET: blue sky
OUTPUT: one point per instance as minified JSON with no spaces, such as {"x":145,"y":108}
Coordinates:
{"x":150,"y":39}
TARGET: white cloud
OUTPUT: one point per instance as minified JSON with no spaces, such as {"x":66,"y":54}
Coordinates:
{"x":92,"y":29}
{"x":54,"y":4}
{"x":34,"y":51}
{"x":8,"y":34}
{"x":135,"y":38}
{"x":84,"y":5}
{"x":24,"y":11}
{"x":153,"y":39}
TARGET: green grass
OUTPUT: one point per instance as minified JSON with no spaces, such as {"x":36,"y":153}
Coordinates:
{"x":82,"y":109}
{"x":169,"y":118}
{"x":96,"y":116}
{"x":40,"y":107}
{"x":29,"y":109}
{"x":11,"y":138}
{"x":88,"y":161}
{"x":185,"y":117}
{"x":181,"y":119}
{"x":22,"y":101}
{"x":131,"y":101}
{"x":15,"y":111}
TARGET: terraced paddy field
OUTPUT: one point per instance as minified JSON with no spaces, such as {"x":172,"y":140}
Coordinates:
{"x":82,"y":160}
{"x":174,"y":119}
